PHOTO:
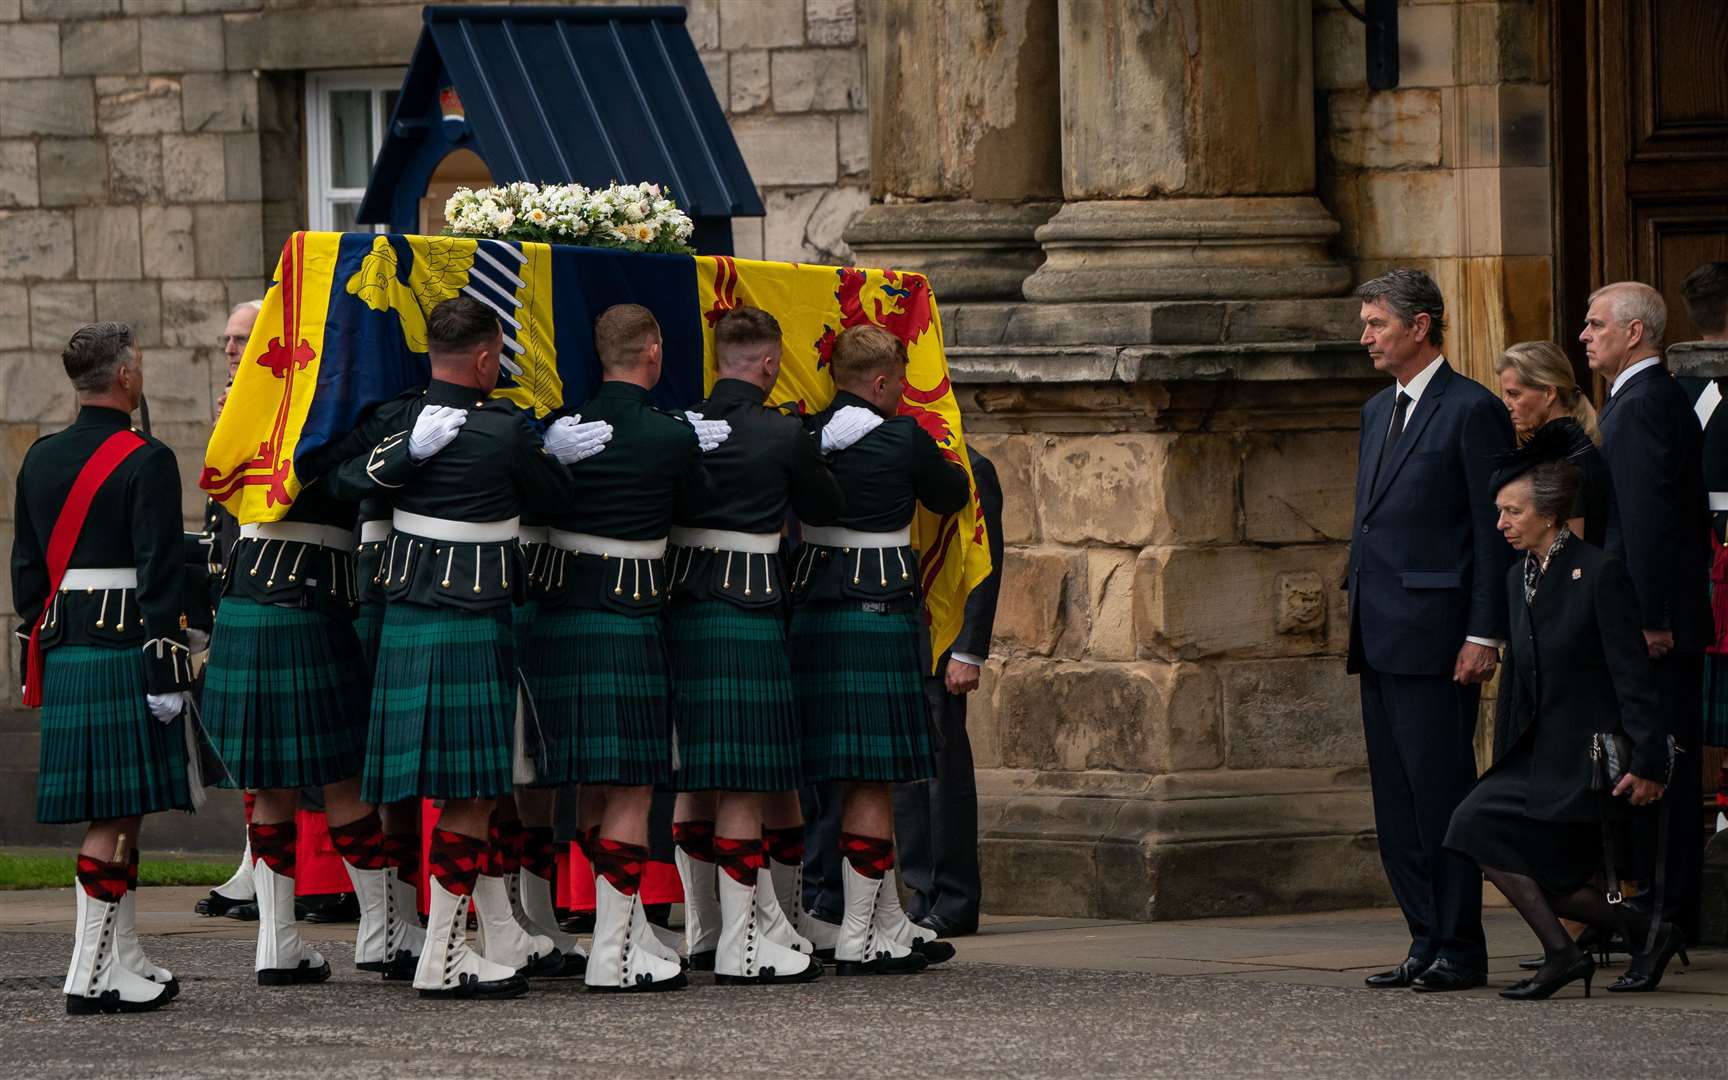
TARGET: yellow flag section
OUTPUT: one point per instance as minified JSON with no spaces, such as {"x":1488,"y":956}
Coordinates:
{"x":249,"y":473}
{"x":813,"y":304}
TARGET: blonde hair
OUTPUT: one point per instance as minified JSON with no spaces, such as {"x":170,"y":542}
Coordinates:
{"x":1543,"y":363}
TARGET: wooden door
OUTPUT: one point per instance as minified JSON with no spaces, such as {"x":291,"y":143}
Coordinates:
{"x":1649,"y":162}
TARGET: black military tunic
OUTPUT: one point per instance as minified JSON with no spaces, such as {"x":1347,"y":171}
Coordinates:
{"x":857,"y":659}
{"x":733,"y":700}
{"x":596,"y":668}
{"x":105,"y":648}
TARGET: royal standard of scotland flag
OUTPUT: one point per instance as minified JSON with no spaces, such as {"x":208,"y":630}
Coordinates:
{"x":344,"y":328}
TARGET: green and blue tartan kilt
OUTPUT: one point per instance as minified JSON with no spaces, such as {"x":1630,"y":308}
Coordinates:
{"x":102,"y":754}
{"x":284,"y":696}
{"x":522,"y":618}
{"x":1715,"y":700}
{"x":733,"y":705}
{"x":443,"y":706}
{"x":368,"y":626}
{"x":859,"y":677}
{"x":598,"y":683}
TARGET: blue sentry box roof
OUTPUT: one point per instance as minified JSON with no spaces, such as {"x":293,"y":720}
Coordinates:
{"x":562,"y":95}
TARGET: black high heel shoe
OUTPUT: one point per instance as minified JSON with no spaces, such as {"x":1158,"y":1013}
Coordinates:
{"x":1539,"y":989}
{"x":1644,"y":974}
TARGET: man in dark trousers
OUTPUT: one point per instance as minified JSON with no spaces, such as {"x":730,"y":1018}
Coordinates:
{"x":1655,"y":452}
{"x":937,"y":819}
{"x":1427,"y":616}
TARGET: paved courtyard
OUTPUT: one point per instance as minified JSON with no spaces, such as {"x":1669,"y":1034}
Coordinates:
{"x":1276,"y":996}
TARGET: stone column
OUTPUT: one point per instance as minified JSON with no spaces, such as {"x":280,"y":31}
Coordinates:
{"x":1187,"y":155}
{"x":965,"y":158}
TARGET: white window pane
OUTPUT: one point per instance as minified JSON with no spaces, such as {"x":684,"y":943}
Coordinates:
{"x":350,"y":138}
{"x":342,"y":216}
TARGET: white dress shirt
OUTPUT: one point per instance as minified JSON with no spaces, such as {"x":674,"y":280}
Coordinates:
{"x":1620,"y":380}
{"x":1413,"y":390}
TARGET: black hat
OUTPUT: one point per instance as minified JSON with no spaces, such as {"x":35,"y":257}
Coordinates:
{"x":1557,"y":440}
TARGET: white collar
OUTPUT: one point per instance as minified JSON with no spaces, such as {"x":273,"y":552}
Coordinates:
{"x":1620,"y":380}
{"x":1413,"y":389}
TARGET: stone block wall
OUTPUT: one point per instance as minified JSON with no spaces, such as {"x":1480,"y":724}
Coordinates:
{"x":1450,"y":171}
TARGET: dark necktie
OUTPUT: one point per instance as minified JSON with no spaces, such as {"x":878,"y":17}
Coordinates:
{"x":1399,"y":410}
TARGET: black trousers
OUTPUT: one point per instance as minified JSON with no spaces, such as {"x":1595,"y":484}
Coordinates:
{"x":1680,"y":691}
{"x":1419,"y":730}
{"x":936,"y":821}
{"x":824,"y":895}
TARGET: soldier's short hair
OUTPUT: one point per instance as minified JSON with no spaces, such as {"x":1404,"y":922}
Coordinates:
{"x":459,"y":323}
{"x":621,"y":333}
{"x":94,"y":353}
{"x":746,"y":330}
{"x":1705,"y":293}
{"x":864,"y":352}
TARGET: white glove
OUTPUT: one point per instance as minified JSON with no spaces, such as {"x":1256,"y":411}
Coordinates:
{"x":166,"y":707}
{"x":436,"y":426}
{"x":197,"y":640}
{"x":709,"y":433}
{"x":570,"y":440}
{"x":847,"y":426}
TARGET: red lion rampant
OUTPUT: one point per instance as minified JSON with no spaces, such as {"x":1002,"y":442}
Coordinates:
{"x":903,"y":309}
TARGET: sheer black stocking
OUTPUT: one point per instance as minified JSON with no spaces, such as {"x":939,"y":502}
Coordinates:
{"x":1559,"y":951}
{"x":1589,"y":905}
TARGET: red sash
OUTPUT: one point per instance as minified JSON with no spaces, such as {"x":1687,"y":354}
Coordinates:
{"x":64,"y":537}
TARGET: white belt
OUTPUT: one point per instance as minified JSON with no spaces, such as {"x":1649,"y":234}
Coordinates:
{"x":727,"y":540}
{"x":374,"y":532}
{"x":606,"y":545}
{"x":116,"y":577}
{"x":455,"y":532}
{"x":300,"y":532}
{"x":829,"y":536}
{"x":533,"y":534}
{"x":1719,"y":500}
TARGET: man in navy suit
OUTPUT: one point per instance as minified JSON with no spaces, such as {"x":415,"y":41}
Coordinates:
{"x":1427,"y":585}
{"x":1655,"y":453}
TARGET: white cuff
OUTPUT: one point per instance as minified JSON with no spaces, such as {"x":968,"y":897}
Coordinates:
{"x":1490,"y":642}
{"x":967,"y":658}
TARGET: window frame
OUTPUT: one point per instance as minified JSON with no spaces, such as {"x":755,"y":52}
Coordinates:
{"x":320,"y":193}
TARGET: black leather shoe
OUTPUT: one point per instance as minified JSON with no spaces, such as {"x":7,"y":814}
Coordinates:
{"x":335,"y":908}
{"x":1444,"y":976}
{"x":1533,"y":989}
{"x":1399,"y":977}
{"x":1644,"y":973}
{"x":216,"y":904}
{"x":943,"y":928}
{"x":247,"y":912}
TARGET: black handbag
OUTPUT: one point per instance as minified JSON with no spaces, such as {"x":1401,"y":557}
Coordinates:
{"x":1610,"y":759}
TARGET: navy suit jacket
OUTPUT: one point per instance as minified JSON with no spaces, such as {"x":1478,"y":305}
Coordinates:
{"x":1655,"y":453}
{"x":1427,"y":566}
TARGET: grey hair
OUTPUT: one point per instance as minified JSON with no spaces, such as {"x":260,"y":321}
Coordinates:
{"x":1554,"y":489}
{"x":252,"y":305}
{"x":1407,"y":293}
{"x":94,"y":354}
{"x":1634,"y":300}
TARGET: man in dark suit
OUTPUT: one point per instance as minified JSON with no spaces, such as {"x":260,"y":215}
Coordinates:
{"x":1655,"y":453}
{"x":936,"y":820}
{"x":1427,"y":617}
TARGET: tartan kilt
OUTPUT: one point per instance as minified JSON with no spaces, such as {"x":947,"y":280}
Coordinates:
{"x":284,"y":696}
{"x":859,"y":677}
{"x":1715,"y":700}
{"x":102,"y":754}
{"x":733,"y":705}
{"x":443,"y":706}
{"x":368,"y":625}
{"x":598,"y":684}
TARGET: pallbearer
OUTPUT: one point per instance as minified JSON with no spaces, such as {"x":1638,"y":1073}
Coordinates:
{"x":736,"y":712}
{"x":96,"y":576}
{"x":857,"y":659}
{"x":444,"y":695}
{"x":597,"y":665}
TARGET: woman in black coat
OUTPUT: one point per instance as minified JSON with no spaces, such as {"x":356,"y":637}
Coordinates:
{"x":1576,"y":665}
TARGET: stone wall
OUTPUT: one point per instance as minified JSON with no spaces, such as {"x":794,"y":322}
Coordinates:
{"x":152,"y":162}
{"x":1450,"y":171}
